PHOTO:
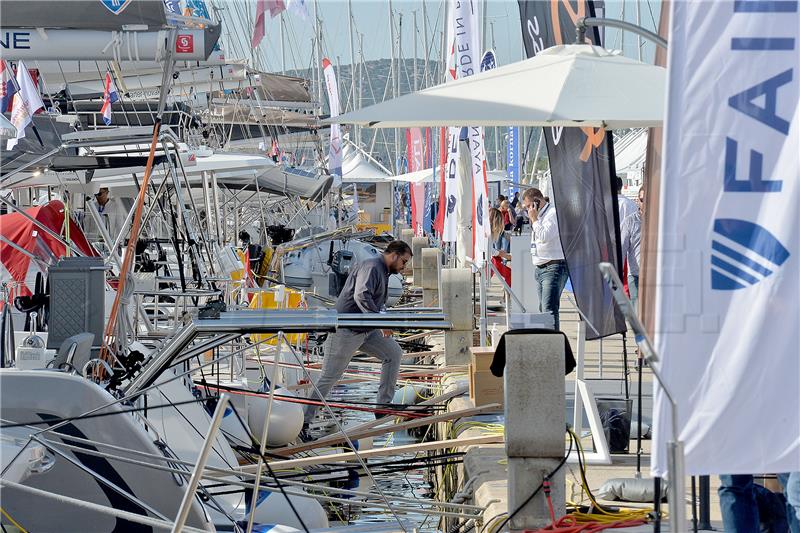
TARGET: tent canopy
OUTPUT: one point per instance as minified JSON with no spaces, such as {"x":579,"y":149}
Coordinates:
{"x":574,"y":85}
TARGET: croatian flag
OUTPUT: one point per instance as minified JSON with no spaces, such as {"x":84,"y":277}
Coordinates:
{"x":7,"y":87}
{"x":110,"y":96}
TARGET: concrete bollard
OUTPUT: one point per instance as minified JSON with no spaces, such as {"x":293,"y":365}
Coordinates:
{"x":456,"y":298}
{"x":456,"y":347}
{"x":417,"y":245}
{"x":535,"y":426}
{"x":407,"y":235}
{"x":431,"y":265}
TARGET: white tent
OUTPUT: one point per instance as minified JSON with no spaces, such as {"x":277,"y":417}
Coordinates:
{"x":568,"y":85}
{"x":427,"y":175}
{"x":356,"y":167}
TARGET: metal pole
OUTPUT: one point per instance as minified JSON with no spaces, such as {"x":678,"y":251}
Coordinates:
{"x":416,"y":30}
{"x":197,"y":473}
{"x":582,"y":24}
{"x":283,"y":51}
{"x":638,"y":37}
{"x":265,"y":430}
{"x":657,"y":504}
{"x":317,"y":55}
{"x":704,"y":490}
{"x":483,"y":272}
{"x":352,"y":63}
{"x":425,"y":43}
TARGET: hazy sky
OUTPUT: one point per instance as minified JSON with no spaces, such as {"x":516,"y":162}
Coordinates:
{"x":371,"y":18}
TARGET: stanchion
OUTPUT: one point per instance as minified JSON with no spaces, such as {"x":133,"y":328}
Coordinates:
{"x":704,"y":493}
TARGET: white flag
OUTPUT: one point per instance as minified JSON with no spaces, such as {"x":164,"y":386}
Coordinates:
{"x":335,"y":150}
{"x":451,"y":192}
{"x":728,"y":281}
{"x":451,"y":185}
{"x":26,"y":103}
{"x":480,"y":190}
{"x":466,"y":27}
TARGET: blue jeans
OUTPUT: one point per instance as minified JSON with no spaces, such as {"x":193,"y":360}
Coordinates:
{"x":633,"y":288}
{"x":550,"y":282}
{"x":747,"y":507}
{"x":791,"y":489}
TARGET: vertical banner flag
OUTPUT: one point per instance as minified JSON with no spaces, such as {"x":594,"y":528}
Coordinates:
{"x":451,"y":186}
{"x":512,"y":158}
{"x":428,"y":215}
{"x":26,"y":103}
{"x":728,"y":275}
{"x":449,"y":195}
{"x":582,"y":169}
{"x":480,"y":190}
{"x":467,"y":51}
{"x":438,"y":225}
{"x":335,"y":151}
{"x":417,"y":190}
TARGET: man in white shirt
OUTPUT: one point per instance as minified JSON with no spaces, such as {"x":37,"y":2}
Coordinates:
{"x":550,"y":268}
{"x":627,"y":206}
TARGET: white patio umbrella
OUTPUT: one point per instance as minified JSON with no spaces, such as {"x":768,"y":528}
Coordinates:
{"x":567,"y":85}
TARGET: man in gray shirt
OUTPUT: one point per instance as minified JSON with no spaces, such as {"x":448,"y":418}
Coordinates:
{"x":365,"y":291}
{"x":631,"y":237}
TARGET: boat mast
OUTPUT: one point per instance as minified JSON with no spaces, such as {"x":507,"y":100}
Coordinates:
{"x":425,"y":43}
{"x":355,"y":137}
{"x":414,"y":63}
{"x":283,"y":51}
{"x":317,"y":55}
{"x":392,"y":80}
{"x":400,"y":65}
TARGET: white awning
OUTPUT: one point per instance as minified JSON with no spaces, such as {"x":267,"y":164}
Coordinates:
{"x":570,"y":85}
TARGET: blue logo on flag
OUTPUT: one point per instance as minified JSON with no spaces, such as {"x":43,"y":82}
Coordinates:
{"x":743,"y":253}
{"x":116,"y":6}
{"x":488,"y":61}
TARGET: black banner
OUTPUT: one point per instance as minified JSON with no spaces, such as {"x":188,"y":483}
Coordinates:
{"x":582,"y":170}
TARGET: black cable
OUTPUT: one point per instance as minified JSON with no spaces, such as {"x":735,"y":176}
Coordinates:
{"x":421,"y":409}
{"x":54,"y":421}
{"x":253,"y":442}
{"x":280,"y":486}
{"x":546,"y":478}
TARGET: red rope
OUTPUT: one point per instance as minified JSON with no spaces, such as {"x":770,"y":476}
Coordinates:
{"x":306,"y":401}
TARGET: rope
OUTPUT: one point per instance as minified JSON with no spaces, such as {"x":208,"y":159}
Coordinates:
{"x":13,"y":522}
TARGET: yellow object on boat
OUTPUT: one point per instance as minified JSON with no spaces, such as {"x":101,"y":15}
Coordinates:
{"x":269,"y":299}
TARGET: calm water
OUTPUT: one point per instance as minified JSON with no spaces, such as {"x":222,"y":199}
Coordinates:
{"x":407,"y":484}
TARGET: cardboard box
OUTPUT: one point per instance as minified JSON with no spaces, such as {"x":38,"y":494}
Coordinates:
{"x":481,"y":358}
{"x":484,"y":387}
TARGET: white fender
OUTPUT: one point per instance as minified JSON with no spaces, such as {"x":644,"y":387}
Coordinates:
{"x":409,"y":394}
{"x":285,"y":422}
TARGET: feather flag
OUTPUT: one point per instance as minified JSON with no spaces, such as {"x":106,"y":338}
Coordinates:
{"x":7,"y":86}
{"x":26,"y":103}
{"x":110,"y":95}
{"x":261,"y":19}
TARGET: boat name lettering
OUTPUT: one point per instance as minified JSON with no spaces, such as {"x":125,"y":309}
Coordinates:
{"x":17,"y":40}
